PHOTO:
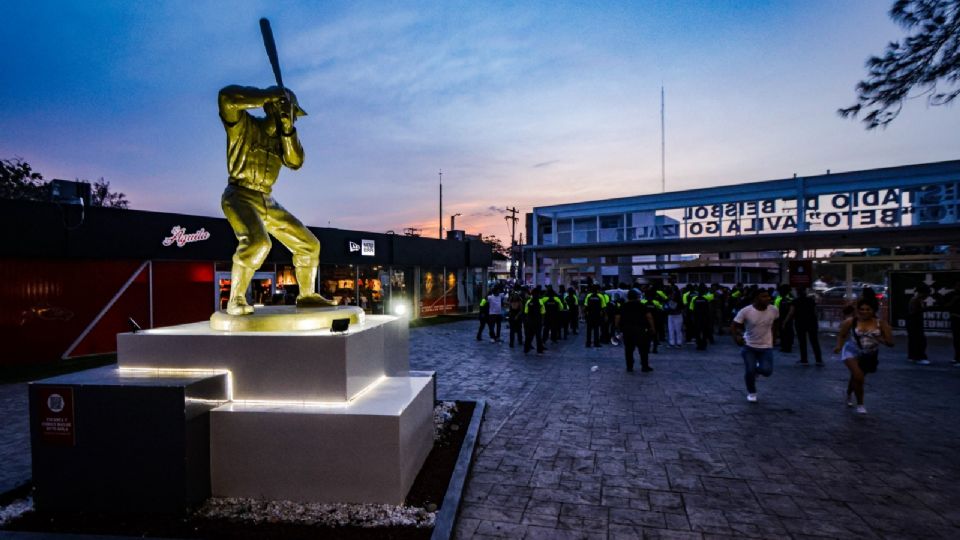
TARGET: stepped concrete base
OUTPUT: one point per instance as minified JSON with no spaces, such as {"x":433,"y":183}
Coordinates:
{"x":314,"y":365}
{"x":368,"y":450}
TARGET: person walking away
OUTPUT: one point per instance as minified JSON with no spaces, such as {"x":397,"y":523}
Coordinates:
{"x":916,"y":339}
{"x":674,"y":320}
{"x":753,"y":328}
{"x":495,"y":313}
{"x":593,"y":306}
{"x":533,"y":312}
{"x":573,"y":311}
{"x":605,"y":321}
{"x":859,"y":345}
{"x":784,"y":304}
{"x":700,"y":307}
{"x":635,"y":322}
{"x":484,"y":317}
{"x":515,"y":319}
{"x":610,"y":319}
{"x":803,"y":313}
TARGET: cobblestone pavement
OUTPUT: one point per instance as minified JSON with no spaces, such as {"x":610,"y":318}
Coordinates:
{"x":567,"y":452}
{"x":14,"y":437}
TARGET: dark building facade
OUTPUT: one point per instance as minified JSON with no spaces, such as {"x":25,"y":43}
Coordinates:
{"x":73,"y":276}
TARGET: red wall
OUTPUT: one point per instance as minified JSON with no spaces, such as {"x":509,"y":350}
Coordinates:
{"x":46,"y":304}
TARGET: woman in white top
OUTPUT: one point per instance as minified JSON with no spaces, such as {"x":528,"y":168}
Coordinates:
{"x":861,"y":336}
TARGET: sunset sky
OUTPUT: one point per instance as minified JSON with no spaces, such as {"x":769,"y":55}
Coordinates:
{"x":519,"y":103}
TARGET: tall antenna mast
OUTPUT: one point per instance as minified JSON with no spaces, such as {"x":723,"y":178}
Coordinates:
{"x":440,"y":233}
{"x":663,"y":146}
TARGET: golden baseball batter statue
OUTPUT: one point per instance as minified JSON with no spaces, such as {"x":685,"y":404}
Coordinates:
{"x":257,"y":148}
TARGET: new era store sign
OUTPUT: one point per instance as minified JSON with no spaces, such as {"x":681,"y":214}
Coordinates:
{"x":367,"y":248}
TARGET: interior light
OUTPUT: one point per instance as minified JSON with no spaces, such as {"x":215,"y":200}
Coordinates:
{"x":400,"y":309}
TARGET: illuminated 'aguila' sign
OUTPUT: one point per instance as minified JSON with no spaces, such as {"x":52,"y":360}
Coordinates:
{"x":180,"y":237}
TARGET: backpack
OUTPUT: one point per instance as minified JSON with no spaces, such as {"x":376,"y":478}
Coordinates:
{"x":593,"y":304}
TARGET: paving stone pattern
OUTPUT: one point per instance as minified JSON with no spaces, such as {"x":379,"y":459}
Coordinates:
{"x":567,"y":452}
{"x":14,"y":437}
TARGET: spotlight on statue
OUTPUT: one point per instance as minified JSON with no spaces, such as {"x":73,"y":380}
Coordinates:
{"x":339,"y":325}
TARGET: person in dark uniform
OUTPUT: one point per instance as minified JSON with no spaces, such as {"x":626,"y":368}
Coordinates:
{"x":784,"y":304}
{"x":804,"y":319}
{"x":916,"y":339}
{"x":700,"y":308}
{"x":635,"y":322}
{"x":593,"y":305}
{"x":484,"y":317}
{"x":533,"y":312}
{"x":515,"y":318}
{"x":573,"y":312}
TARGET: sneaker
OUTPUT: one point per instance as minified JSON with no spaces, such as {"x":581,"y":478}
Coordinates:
{"x":752,"y":398}
{"x":646,"y":369}
{"x":920,"y":363}
{"x":861,"y":409}
{"x":850,"y":402}
{"x":493,"y":340}
{"x":802,"y":363}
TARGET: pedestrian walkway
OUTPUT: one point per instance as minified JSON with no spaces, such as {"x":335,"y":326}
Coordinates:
{"x":571,"y":452}
{"x":568,"y":452}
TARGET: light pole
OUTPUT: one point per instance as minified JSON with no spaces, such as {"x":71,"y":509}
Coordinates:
{"x":440,"y":233}
{"x":453,"y":220}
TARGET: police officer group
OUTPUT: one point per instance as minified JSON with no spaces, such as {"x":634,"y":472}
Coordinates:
{"x":641,"y":318}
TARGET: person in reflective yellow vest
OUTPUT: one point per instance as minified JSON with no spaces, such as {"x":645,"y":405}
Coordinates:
{"x":553,"y":315}
{"x":533,"y":312}
{"x":660,"y":315}
{"x":593,"y":306}
{"x":687,"y":314}
{"x":608,"y":311}
{"x":484,"y":317}
{"x":700,"y":309}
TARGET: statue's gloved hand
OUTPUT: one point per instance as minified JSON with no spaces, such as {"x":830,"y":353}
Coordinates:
{"x":285,"y":106}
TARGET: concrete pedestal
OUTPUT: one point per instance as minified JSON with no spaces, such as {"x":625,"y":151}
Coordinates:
{"x":286,"y":415}
{"x":314,"y":365}
{"x":369,"y":450}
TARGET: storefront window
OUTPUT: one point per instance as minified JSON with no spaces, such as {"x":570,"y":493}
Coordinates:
{"x":438,"y":291}
{"x":400,"y":290}
{"x":338,"y":282}
{"x":370,"y":289}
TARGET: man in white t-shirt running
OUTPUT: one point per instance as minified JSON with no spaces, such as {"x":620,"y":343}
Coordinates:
{"x":753,"y":329}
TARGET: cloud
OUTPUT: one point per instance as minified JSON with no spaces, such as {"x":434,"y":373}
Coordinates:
{"x":543,"y":164}
{"x":490,"y":211}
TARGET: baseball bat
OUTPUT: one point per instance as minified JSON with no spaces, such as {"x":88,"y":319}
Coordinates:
{"x":271,"y":47}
